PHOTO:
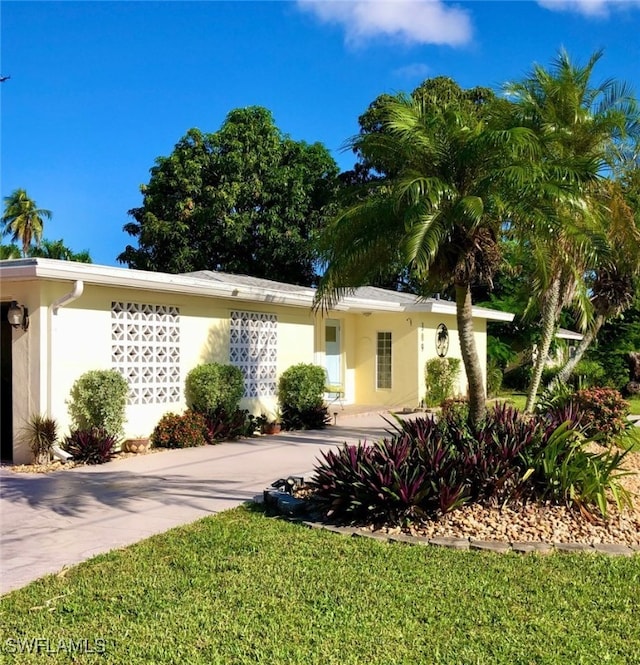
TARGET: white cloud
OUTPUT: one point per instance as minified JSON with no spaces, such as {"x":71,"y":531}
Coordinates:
{"x":588,"y":7}
{"x":416,"y":70}
{"x":409,"y":21}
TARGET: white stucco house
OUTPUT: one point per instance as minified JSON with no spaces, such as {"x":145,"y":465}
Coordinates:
{"x":69,"y":318}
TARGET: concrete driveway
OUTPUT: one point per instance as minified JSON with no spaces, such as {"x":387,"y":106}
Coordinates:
{"x":49,"y":521}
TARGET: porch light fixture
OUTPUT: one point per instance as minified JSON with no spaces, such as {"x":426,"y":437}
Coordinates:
{"x":18,"y":315}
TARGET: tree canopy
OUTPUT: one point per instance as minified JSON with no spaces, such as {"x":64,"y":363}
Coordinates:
{"x":23,"y":220}
{"x":446,"y":177}
{"x":245,"y":199}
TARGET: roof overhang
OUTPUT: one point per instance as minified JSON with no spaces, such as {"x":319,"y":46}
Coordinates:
{"x":126,"y":278}
{"x":90,"y":273}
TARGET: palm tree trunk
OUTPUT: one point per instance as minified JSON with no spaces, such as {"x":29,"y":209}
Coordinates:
{"x":565,"y":373}
{"x":549,"y":311}
{"x":470,"y":358}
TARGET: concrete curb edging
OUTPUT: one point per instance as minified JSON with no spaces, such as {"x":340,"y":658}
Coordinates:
{"x":451,"y":542}
{"x":292,"y":510}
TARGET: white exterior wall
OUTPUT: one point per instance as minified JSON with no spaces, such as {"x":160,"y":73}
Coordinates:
{"x":57,"y":349}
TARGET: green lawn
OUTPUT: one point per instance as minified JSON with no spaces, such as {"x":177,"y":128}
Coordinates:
{"x":519,"y":400}
{"x":242,"y":588}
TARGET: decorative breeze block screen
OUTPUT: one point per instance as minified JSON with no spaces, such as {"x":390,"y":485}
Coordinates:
{"x":253,"y":348}
{"x":145,"y":349}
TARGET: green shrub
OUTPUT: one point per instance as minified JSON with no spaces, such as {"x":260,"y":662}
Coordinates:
{"x":494,"y":378}
{"x":98,"y":400}
{"x":548,"y":375}
{"x":41,"y":433}
{"x":185,"y":430}
{"x":455,"y":409}
{"x":615,"y":366}
{"x":300,"y":396}
{"x":214,"y":386}
{"x":441,"y":376}
{"x":588,"y":373}
{"x":91,"y":446}
{"x":518,"y":378}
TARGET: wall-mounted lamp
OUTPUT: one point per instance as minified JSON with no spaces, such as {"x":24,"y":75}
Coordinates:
{"x":366,"y":313}
{"x":18,"y":315}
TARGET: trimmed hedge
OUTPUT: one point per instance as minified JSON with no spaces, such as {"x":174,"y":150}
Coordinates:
{"x":213,"y":387}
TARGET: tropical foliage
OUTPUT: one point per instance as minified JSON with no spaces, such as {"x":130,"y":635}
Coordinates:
{"x":455,"y":167}
{"x":427,"y":467}
{"x":22,"y":219}
{"x":245,"y":199}
{"x":588,"y":127}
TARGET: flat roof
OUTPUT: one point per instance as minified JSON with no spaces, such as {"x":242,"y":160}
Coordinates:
{"x":209,"y":283}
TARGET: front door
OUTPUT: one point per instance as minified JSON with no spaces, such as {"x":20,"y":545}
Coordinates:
{"x":332,"y":352}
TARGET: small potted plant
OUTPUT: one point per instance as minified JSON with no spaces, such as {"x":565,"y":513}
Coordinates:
{"x":271,"y":425}
{"x":138,"y":444}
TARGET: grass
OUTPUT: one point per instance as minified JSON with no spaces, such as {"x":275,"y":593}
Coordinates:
{"x":519,"y":399}
{"x":243,"y":588}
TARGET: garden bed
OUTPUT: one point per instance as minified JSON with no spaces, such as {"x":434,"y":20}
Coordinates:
{"x":530,"y":522}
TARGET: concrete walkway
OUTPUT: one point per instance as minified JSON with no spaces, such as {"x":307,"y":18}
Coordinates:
{"x":49,"y":521}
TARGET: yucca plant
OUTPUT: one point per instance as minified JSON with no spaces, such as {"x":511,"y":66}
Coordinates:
{"x":41,"y":433}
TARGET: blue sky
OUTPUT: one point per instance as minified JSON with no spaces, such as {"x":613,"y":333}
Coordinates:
{"x":99,"y":90}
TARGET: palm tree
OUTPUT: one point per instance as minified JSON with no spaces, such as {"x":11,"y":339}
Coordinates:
{"x":578,"y":123}
{"x":9,"y":252}
{"x":23,"y":220}
{"x":613,"y":284}
{"x":442,"y":210}
{"x":56,"y":249}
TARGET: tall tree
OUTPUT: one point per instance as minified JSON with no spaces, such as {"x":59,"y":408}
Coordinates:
{"x":9,"y":251}
{"x":245,"y":199}
{"x":23,"y":220}
{"x":614,"y":285}
{"x":578,"y":122}
{"x":450,"y":179}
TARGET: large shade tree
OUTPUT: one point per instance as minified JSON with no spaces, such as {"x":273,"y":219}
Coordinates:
{"x":245,"y":199}
{"x":451,"y":179}
{"x":23,"y":220}
{"x":589,"y":126}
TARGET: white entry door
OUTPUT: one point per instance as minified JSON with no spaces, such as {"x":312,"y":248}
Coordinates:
{"x":332,"y":352}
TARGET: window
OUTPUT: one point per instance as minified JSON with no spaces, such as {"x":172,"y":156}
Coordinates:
{"x":383,"y":361}
{"x":253,"y":347}
{"x":145,"y":349}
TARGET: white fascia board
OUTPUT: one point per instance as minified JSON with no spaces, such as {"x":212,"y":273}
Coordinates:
{"x":448,"y":307}
{"x":142,"y":280}
{"x":569,"y":334}
{"x":357,"y":305}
